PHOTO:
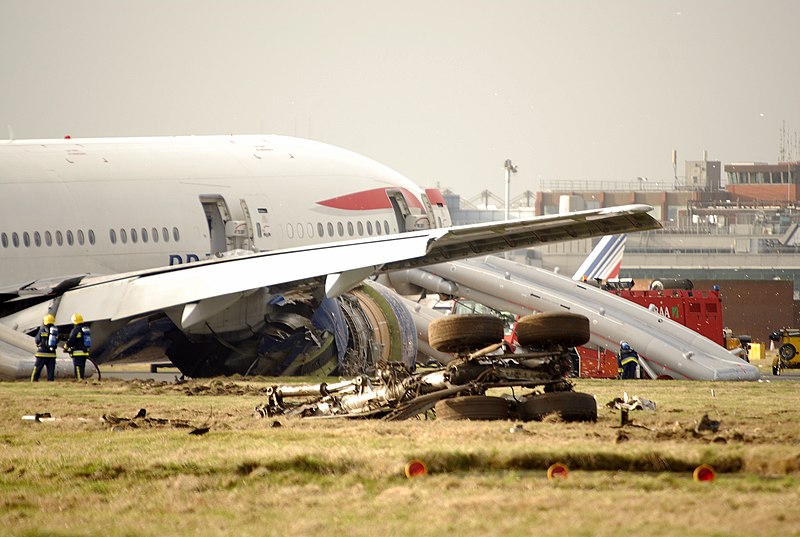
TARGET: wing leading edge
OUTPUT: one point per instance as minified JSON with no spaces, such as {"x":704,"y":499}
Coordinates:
{"x":344,"y":263}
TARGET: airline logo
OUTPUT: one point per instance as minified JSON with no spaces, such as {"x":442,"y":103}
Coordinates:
{"x":180,"y":259}
{"x":605,"y":260}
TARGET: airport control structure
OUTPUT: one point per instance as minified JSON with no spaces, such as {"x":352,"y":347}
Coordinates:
{"x":734,"y":225}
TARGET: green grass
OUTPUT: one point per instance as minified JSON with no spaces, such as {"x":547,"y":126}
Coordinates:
{"x":79,"y":476}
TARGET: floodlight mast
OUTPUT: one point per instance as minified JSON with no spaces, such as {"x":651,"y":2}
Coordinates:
{"x":510,"y":168}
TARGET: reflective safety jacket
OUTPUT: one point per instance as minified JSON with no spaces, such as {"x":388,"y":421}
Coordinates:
{"x":80,"y":339}
{"x":628,"y":356}
{"x":46,"y":340}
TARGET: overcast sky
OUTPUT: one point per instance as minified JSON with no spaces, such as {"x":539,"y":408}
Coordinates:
{"x":442,"y":91}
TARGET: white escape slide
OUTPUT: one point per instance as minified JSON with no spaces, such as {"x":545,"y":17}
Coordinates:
{"x":666,"y":347}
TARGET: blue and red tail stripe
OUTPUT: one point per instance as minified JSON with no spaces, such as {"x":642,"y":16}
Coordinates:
{"x":605,"y":260}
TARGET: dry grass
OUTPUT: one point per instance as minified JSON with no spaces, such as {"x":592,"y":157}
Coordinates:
{"x":79,"y":476}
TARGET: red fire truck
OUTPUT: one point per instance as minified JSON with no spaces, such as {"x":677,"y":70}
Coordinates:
{"x":699,"y":310}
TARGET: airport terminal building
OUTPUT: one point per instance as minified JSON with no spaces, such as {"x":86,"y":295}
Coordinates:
{"x":737,"y":232}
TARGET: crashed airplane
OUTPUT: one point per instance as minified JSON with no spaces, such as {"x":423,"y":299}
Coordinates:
{"x":233,"y":254}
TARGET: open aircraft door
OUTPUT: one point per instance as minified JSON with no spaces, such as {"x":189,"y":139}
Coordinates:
{"x":243,"y":230}
{"x":401,"y":210}
{"x":406,"y":220}
{"x":224,"y":232}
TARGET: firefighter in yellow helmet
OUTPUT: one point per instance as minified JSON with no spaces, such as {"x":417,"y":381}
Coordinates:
{"x":78,"y":343}
{"x":46,"y":341}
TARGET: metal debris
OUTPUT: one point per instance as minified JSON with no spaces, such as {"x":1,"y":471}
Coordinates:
{"x":707,"y":424}
{"x":40,"y":417}
{"x":142,"y":420}
{"x":395,"y":393}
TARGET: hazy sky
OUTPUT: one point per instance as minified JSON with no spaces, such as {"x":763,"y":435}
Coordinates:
{"x":442,"y":91}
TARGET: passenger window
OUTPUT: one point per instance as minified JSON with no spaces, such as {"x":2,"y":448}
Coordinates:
{"x":299,"y":230}
{"x":386,"y":226}
{"x":48,"y":238}
{"x":310,"y":229}
{"x":26,"y":238}
{"x":134,"y":236}
{"x":113,"y":236}
{"x":15,"y":239}
{"x":59,"y":238}
{"x":360,"y":227}
{"x":290,"y":231}
{"x":4,"y":239}
{"x":378,"y":227}
{"x":340,"y":229}
{"x":144,"y":235}
{"x":320,"y":229}
{"x":350,"y":228}
{"x":81,"y":237}
{"x":155,"y":234}
{"x":175,"y":234}
{"x":70,"y":237}
{"x":91,"y":237}
{"x":330,"y":229}
{"x":165,"y":234}
{"x":369,"y":228}
{"x":37,"y":239}
{"x":123,"y":236}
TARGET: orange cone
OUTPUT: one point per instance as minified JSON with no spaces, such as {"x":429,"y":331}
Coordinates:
{"x":415,"y":468}
{"x":704,"y":472}
{"x":557,"y":471}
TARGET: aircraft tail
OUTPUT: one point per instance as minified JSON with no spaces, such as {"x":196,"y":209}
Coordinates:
{"x":604,"y":261}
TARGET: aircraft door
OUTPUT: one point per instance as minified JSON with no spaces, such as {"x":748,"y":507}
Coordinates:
{"x":217,"y":216}
{"x":401,"y":210}
{"x":245,"y":240}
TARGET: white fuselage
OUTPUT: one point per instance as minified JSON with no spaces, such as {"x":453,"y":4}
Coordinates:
{"x":107,"y":206}
{"x":316,"y":219}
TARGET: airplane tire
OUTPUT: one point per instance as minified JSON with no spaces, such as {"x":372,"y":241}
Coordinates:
{"x":571,"y":406}
{"x":787,"y":351}
{"x":553,"y":328}
{"x":472,"y":407}
{"x":464,"y":333}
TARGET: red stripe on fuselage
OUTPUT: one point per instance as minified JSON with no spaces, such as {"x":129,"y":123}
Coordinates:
{"x":435,"y":197}
{"x":368,"y":200}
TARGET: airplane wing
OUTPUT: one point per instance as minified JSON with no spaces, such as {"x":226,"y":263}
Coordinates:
{"x":205,"y":288}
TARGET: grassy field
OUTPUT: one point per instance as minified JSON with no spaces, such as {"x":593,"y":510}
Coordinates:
{"x":80,"y":474}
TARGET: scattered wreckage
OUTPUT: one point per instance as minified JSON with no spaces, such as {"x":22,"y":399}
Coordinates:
{"x":536,"y":373}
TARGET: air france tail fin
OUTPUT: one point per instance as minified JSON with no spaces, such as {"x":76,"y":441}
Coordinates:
{"x":604,"y":261}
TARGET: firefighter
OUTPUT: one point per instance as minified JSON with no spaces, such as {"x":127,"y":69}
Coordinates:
{"x":46,"y":341}
{"x":628,"y":361}
{"x":80,"y":339}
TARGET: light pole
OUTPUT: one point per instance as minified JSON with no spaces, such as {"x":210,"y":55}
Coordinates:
{"x":510,"y":168}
